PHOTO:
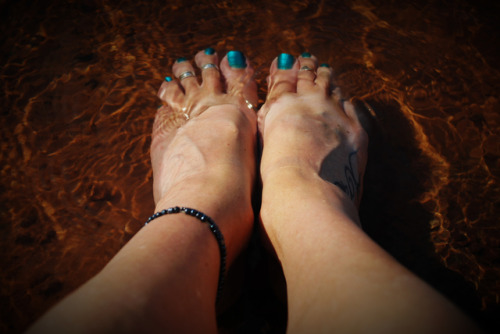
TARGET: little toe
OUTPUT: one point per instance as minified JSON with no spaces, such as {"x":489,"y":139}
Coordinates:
{"x":171,"y":94}
{"x":170,"y":115}
{"x":282,"y":77}
{"x":207,"y":61}
{"x":307,"y":72}
{"x":238,"y":74}
{"x":351,"y":111}
{"x":185,"y":73}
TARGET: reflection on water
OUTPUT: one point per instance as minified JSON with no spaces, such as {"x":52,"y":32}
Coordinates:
{"x":79,"y":81}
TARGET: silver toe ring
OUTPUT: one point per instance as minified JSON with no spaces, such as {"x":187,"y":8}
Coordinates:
{"x":209,"y":65}
{"x":306,"y":68}
{"x":185,"y":75}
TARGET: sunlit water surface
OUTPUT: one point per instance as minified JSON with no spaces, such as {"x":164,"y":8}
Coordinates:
{"x":79,"y":80}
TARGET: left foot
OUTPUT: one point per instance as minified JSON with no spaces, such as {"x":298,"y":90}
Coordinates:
{"x":307,"y":127}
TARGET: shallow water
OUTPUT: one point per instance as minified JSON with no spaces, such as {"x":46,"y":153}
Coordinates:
{"x":79,"y":83}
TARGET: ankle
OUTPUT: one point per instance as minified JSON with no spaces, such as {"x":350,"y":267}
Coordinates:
{"x":229,"y":207}
{"x":303,"y":189}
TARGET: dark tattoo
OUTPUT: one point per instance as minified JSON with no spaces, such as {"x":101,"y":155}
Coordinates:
{"x":352,"y":182}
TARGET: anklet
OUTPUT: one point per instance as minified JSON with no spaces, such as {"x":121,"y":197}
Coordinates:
{"x":213,"y":227}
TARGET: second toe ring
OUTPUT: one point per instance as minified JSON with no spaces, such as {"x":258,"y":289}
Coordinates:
{"x":185,"y":75}
{"x":306,"y":68}
{"x":209,"y":65}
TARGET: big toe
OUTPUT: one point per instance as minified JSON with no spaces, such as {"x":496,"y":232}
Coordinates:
{"x":239,"y":78}
{"x":282,"y":80}
{"x":282,"y":77}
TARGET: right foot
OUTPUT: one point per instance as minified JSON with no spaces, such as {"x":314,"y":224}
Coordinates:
{"x":203,"y":142}
{"x":308,"y":128}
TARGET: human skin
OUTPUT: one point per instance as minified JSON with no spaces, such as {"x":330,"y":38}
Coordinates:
{"x":203,"y":156}
{"x":165,"y":278}
{"x":338,"y":279}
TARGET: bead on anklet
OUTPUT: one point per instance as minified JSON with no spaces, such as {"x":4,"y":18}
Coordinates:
{"x":213,"y":227}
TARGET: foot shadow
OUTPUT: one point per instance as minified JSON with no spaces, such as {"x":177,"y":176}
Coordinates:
{"x":390,"y":212}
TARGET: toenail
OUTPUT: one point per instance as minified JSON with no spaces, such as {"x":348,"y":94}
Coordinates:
{"x":236,"y":59}
{"x":305,"y":55}
{"x":168,"y":79}
{"x":209,"y":51}
{"x":181,"y":59}
{"x":324,"y":65}
{"x":285,"y":61}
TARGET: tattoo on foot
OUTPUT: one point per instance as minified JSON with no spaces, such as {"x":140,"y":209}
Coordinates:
{"x":352,"y":180}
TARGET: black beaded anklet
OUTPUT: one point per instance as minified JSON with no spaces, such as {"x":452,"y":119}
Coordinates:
{"x":213,"y":227}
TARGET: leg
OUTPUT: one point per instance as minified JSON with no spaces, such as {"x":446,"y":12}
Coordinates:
{"x":338,"y":279}
{"x":167,"y":275}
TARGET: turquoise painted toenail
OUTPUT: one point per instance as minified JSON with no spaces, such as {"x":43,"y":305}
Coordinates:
{"x":209,"y":51}
{"x":305,"y":55}
{"x":285,"y":61}
{"x":324,"y":65}
{"x":168,"y":79}
{"x":181,"y":59}
{"x":236,"y":59}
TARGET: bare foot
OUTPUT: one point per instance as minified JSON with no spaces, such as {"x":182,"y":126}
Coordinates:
{"x":309,"y":128}
{"x":203,"y":143}
{"x":202,"y":154}
{"x":312,"y":169}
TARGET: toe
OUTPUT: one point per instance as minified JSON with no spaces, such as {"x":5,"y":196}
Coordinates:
{"x":207,"y":61}
{"x":282,"y":77}
{"x":307,"y":72}
{"x":171,"y":93}
{"x":170,"y":114}
{"x":351,"y":111}
{"x":337,"y":96}
{"x":238,"y":74}
{"x":324,"y":78}
{"x":185,"y":73}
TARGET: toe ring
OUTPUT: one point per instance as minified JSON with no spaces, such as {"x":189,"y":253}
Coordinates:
{"x":185,"y":75}
{"x":306,"y":68}
{"x":209,"y":65}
